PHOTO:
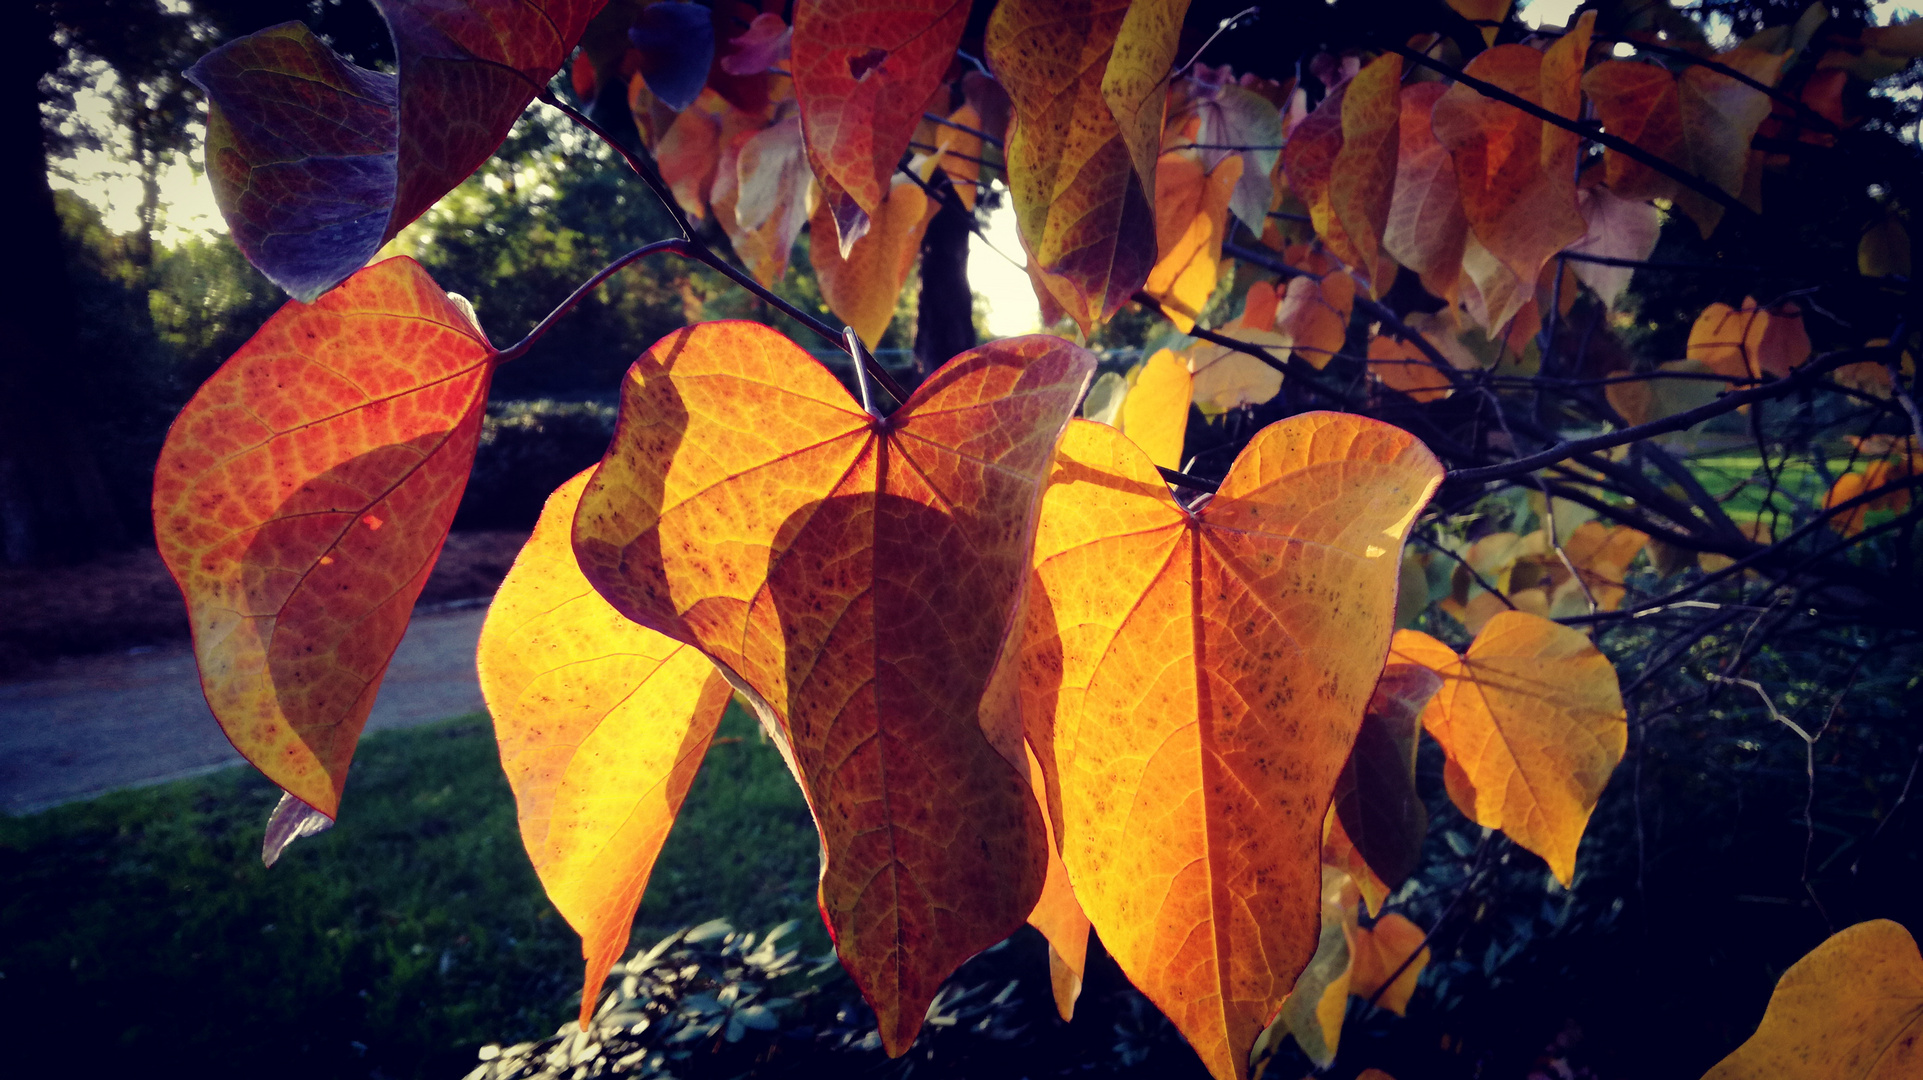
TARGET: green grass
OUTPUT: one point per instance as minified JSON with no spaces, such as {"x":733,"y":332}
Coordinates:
{"x":140,"y":928}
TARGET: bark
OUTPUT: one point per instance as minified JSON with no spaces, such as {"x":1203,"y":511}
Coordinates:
{"x":945,"y":317}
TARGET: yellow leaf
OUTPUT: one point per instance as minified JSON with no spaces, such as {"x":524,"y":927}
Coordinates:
{"x":1191,"y":826}
{"x":750,"y":507}
{"x":1058,"y":915}
{"x":1316,"y":1006}
{"x":1135,"y":82}
{"x":1487,"y":13}
{"x":1532,"y":722}
{"x":602,"y":724}
{"x":1720,"y":116}
{"x":1850,"y":1010}
{"x":1227,"y":378}
{"x":862,"y":288}
{"x":1156,"y":412}
{"x":1191,"y":219}
{"x":1085,"y":211}
{"x":1379,"y":951}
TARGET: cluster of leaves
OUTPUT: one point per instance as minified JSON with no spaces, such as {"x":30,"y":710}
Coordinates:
{"x":1022,"y":667}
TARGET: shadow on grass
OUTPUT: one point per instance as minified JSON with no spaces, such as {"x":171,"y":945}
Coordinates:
{"x":139,"y":930}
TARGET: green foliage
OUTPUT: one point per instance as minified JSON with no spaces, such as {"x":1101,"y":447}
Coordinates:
{"x":142,"y":927}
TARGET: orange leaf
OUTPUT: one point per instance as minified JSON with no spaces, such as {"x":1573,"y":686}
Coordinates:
{"x":1191,"y":694}
{"x":1533,"y":724}
{"x":1850,"y":1010}
{"x":1562,"y":65}
{"x":1155,"y":414}
{"x":602,"y":724}
{"x":1637,"y":102}
{"x":1401,"y":366}
{"x":1309,"y":160}
{"x":1086,"y":215}
{"x":1520,"y":211}
{"x":690,"y":151}
{"x":1375,"y":793}
{"x":1191,"y":220}
{"x":1426,"y":230}
{"x":302,"y":497}
{"x":1379,"y":951}
{"x":856,"y":576}
{"x":761,"y":186}
{"x":1057,"y":914}
{"x":863,"y":72}
{"x":1313,"y":317}
{"x":961,"y":154}
{"x":1362,"y":178}
{"x":1602,"y":555}
{"x":862,"y":289}
{"x":1750,"y":341}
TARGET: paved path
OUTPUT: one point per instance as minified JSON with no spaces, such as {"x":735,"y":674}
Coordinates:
{"x":98,"y":724}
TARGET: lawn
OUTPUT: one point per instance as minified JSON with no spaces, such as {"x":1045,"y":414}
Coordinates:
{"x":140,"y":929}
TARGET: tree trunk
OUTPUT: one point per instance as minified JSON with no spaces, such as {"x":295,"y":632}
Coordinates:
{"x":54,"y":505}
{"x":945,"y":317}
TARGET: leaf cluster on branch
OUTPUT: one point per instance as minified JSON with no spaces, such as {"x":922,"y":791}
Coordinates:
{"x":1154,"y":673}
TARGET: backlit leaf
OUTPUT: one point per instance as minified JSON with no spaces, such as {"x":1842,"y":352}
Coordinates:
{"x":1227,"y":378}
{"x":602,"y":724}
{"x":1309,"y":162}
{"x":761,"y":188}
{"x":1533,"y":724}
{"x":1057,"y":914}
{"x":1402,"y":366}
{"x":862,"y":288}
{"x":1319,"y":1001}
{"x":1562,"y":65}
{"x":300,"y":501}
{"x":1156,"y":412}
{"x":689,"y":153}
{"x":1191,"y":221}
{"x":1135,"y":83}
{"x":1086,"y":215}
{"x":1426,"y":229}
{"x":1228,"y":114}
{"x":1637,"y":102}
{"x":1850,"y":1010}
{"x":1313,"y":316}
{"x":856,"y":576}
{"x":1522,"y":213}
{"x":863,"y":73}
{"x":1750,"y":341}
{"x":316,"y":162}
{"x":1363,"y":176}
{"x":1379,"y":951}
{"x":1375,"y":793}
{"x":1191,"y":689}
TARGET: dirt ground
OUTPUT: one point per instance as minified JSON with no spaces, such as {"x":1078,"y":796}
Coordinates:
{"x":128,"y":601}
